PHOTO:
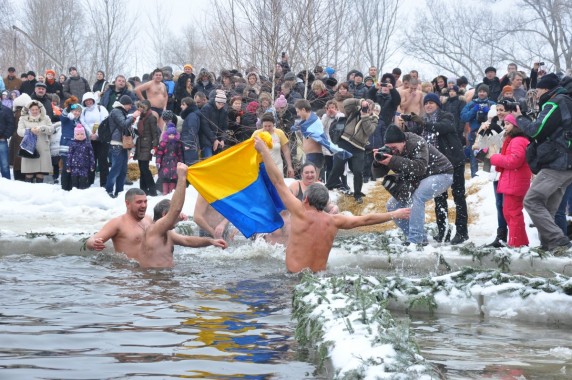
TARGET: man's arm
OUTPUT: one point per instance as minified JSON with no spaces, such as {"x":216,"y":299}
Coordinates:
{"x":290,"y":201}
{"x":199,"y":215}
{"x":143,"y":87}
{"x":108,"y":231}
{"x":196,"y":241}
{"x":346,"y":222}
{"x":166,"y":223}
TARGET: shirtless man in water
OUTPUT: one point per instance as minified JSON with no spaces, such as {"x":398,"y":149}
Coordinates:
{"x":156,"y":92}
{"x":312,"y":230}
{"x":150,"y":242}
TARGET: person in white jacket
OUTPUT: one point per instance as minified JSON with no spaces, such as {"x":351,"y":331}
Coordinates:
{"x":92,"y":115}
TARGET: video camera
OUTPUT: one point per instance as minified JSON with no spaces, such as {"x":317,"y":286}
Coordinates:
{"x":382,"y":153}
{"x":406,"y":116}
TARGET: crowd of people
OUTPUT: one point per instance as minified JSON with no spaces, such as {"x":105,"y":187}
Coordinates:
{"x":418,"y":136}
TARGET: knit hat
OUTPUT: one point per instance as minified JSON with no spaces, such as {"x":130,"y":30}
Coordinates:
{"x":40,"y":84}
{"x":31,"y":73}
{"x":329,"y":71}
{"x":432,"y":97}
{"x":280,"y":102}
{"x":506,"y":89}
{"x":188,"y":66}
{"x":289,"y":76}
{"x":125,"y":100}
{"x":79,"y":132}
{"x":220,"y":96}
{"x":358,"y":74}
{"x":454,"y":88}
{"x":394,"y":134}
{"x":167,"y":115}
{"x":50,"y":71}
{"x":452,"y":80}
{"x":171,"y":130}
{"x":510,"y":118}
{"x":490,"y":68}
{"x":548,"y":81}
{"x":368,"y":78}
{"x":252,"y":107}
{"x":483,"y":87}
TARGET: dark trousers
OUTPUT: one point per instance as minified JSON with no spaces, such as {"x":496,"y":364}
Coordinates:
{"x":356,"y":166}
{"x":80,"y":182}
{"x":65,"y":181}
{"x":100,"y":153}
{"x":56,"y":167}
{"x":146,"y":181}
{"x":441,"y":207}
{"x":367,"y":162}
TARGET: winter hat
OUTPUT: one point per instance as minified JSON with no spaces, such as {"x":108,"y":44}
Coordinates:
{"x":394,"y":134}
{"x":75,"y":106}
{"x":50,"y":71}
{"x":280,"y":102}
{"x":388,"y":77}
{"x":220,"y":96}
{"x":510,"y":118}
{"x":548,"y":81}
{"x":452,"y":80}
{"x":79,"y":132}
{"x":171,"y":130}
{"x":432,"y":97}
{"x":167,"y":115}
{"x":506,"y":89}
{"x":252,"y":107}
{"x":330,"y":82}
{"x":455,"y":88}
{"x":490,"y":68}
{"x":188,"y":66}
{"x":368,"y":78}
{"x":289,"y":76}
{"x":40,"y":84}
{"x":483,"y":87}
{"x":31,"y":73}
{"x":125,"y":100}
{"x":358,"y":74}
{"x":329,"y":71}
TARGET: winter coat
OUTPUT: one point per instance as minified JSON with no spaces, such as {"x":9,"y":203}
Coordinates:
{"x":216,"y":120}
{"x":495,"y":88}
{"x":80,"y":159}
{"x":202,"y":87}
{"x":43,"y":164}
{"x":12,"y":83}
{"x":181,"y":86}
{"x":148,"y":136}
{"x":470,"y":112}
{"x":119,"y":123}
{"x":511,"y":163}
{"x":192,"y":128}
{"x":454,"y":105}
{"x":237,"y":132}
{"x":7,"y":124}
{"x":47,"y":103}
{"x":358,"y":128}
{"x":55,"y":88}
{"x":318,"y":102}
{"x":169,"y":153}
{"x":67,"y":126}
{"x":92,"y":115}
{"x":76,"y":86}
{"x":443,"y":131}
{"x":111,"y":96}
{"x":388,"y":103}
{"x":358,"y":91}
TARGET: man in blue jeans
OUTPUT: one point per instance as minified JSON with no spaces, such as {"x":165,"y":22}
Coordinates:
{"x":422,"y":173}
{"x":7,"y":127}
{"x":120,"y":122}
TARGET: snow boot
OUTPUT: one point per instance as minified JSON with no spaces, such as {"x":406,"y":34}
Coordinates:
{"x":501,"y":239}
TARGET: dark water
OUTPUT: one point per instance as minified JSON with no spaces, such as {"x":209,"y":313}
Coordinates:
{"x":217,"y":315}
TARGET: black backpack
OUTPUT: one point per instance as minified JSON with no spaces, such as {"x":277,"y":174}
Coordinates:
{"x":104,"y":131}
{"x":337,"y":129}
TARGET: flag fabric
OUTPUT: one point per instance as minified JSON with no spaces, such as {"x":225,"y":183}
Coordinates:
{"x":235,"y":183}
{"x":312,"y":128}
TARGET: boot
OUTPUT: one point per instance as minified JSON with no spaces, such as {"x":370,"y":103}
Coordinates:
{"x":39,"y":180}
{"x":501,"y":238}
{"x":28,"y":179}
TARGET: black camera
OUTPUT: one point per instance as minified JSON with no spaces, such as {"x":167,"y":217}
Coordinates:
{"x":365,"y":109}
{"x":406,"y":117}
{"x":540,"y":63}
{"x":384,"y":85}
{"x":510,"y":105}
{"x":382,"y":152}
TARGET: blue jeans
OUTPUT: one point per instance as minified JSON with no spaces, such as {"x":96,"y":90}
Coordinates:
{"x":118,"y":170}
{"x":501,"y":221}
{"x":563,"y":209}
{"x":428,"y":189}
{"x":191,"y":156}
{"x":4,"y":160}
{"x":472,"y":159}
{"x":207,"y":151}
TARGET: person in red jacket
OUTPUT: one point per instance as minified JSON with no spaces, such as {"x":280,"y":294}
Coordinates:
{"x":514,"y":180}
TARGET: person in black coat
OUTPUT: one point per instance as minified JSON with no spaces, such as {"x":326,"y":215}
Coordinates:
{"x":214,"y":119}
{"x":454,"y":105}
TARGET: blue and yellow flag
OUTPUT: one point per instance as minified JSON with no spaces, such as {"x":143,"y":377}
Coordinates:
{"x":236,"y":184}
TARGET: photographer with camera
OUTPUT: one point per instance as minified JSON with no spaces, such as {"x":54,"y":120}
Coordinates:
{"x":475,"y":113}
{"x":421,"y":173}
{"x":361,"y":123}
{"x":550,"y":158}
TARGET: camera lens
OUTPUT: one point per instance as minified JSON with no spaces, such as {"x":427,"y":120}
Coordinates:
{"x":379,"y":156}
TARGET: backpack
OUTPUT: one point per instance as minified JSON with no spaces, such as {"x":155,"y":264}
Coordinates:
{"x":337,"y":129}
{"x":104,"y":131}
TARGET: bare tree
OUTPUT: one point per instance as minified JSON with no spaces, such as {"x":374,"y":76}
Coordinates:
{"x":158,"y":32}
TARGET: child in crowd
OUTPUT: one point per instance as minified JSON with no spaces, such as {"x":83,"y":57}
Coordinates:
{"x":514,"y":181}
{"x":7,"y":100}
{"x":169,"y":153}
{"x":80,"y":159}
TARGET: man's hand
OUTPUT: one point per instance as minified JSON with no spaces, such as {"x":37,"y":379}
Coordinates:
{"x":98,"y":244}
{"x":260,"y":145}
{"x":219,"y":230}
{"x":290,"y":172}
{"x":183,"y":217}
{"x":182,"y":170}
{"x":402,"y":213}
{"x":219,"y":243}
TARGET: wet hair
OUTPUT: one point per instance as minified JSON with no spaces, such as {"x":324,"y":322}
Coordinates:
{"x":131,"y":193}
{"x":161,"y":209}
{"x":318,"y":196}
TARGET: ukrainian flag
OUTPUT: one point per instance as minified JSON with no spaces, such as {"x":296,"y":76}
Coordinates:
{"x":236,"y":184}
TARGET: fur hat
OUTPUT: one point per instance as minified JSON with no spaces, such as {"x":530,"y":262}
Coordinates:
{"x":510,"y":118}
{"x":548,"y":81}
{"x":125,"y":100}
{"x":280,"y":102}
{"x":79,"y":132}
{"x":388,"y":77}
{"x":220,"y":96}
{"x":394,"y":134}
{"x":432,"y":97}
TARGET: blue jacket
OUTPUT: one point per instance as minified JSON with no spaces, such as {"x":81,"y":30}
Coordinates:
{"x":7,"y":123}
{"x":469,"y":112}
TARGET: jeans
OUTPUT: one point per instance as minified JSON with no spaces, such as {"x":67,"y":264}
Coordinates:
{"x":118,"y":171}
{"x":428,"y":189}
{"x":4,"y":160}
{"x":207,"y":151}
{"x":563,"y":209}
{"x":501,"y":221}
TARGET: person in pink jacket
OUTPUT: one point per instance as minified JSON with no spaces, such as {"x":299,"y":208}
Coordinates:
{"x":514,"y":180}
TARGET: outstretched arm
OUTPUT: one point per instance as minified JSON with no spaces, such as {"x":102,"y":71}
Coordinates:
{"x":346,"y":222}
{"x":167,"y":222}
{"x":196,"y":241}
{"x":108,"y":231}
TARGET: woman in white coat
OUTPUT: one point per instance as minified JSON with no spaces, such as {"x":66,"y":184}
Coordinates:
{"x":34,"y":118}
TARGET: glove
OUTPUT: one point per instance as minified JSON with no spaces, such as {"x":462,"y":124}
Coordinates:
{"x":153,"y":150}
{"x":476,"y":107}
{"x":417,"y":119}
{"x":486,"y":109}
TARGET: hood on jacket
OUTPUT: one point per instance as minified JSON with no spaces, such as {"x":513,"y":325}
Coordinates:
{"x":86,"y":96}
{"x":21,"y":101}
{"x":33,"y":103}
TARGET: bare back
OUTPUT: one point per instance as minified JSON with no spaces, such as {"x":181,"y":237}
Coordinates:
{"x":311,"y":237}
